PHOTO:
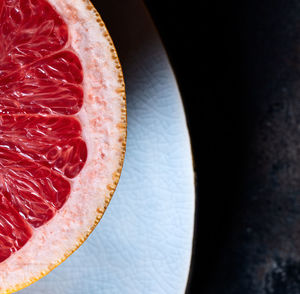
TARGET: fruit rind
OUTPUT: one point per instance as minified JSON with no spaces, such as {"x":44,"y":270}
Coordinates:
{"x":70,"y":10}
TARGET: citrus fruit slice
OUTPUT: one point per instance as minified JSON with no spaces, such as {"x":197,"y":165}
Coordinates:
{"x":62,"y":132}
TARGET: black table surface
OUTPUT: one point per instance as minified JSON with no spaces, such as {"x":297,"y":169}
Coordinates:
{"x":238,"y":69}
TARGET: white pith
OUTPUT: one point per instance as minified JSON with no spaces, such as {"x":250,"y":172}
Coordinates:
{"x":103,"y":120}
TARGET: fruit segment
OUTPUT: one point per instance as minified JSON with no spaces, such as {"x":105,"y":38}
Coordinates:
{"x":50,"y":85}
{"x":29,"y":30}
{"x":36,"y":192}
{"x":52,"y":141}
{"x":14,"y":231}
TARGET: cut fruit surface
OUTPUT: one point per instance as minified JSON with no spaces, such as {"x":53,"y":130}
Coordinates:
{"x":62,"y":132}
{"x":38,"y":86}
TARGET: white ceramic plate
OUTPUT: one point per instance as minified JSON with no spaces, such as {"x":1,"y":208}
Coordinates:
{"x":143,"y":243}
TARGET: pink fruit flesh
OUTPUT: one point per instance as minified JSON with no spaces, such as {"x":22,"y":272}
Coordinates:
{"x":41,"y":146}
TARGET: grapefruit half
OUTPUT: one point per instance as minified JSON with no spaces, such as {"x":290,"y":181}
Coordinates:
{"x":62,"y":132}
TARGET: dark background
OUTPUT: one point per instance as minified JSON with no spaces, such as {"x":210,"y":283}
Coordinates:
{"x":238,"y":69}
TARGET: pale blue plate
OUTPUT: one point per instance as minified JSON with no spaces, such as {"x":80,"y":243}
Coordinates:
{"x":144,"y":242}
